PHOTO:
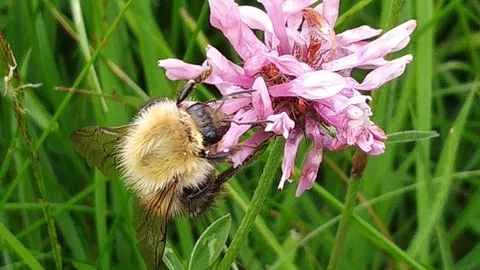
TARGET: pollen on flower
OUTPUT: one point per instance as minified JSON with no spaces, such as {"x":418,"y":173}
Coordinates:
{"x":301,"y":71}
{"x":272,"y":75}
{"x":323,"y":29}
{"x":314,"y":57}
{"x":301,"y":106}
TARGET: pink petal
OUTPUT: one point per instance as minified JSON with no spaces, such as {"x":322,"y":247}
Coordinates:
{"x":290,"y":152}
{"x":313,"y":159}
{"x":282,"y":124}
{"x":275,"y":12}
{"x":232,"y":105}
{"x":354,"y":112}
{"x":350,"y":36}
{"x":378,"y":148}
{"x":262,"y":104}
{"x":372,"y":64}
{"x":342,"y":102}
{"x":288,"y":64}
{"x":296,"y":6}
{"x":313,"y":85}
{"x":320,"y":27}
{"x":225,"y":16}
{"x":236,"y":131}
{"x":293,"y":10}
{"x":391,"y":41}
{"x":225,"y":70}
{"x":247,"y":147}
{"x":329,"y":11}
{"x":253,"y":65}
{"x":334,"y":144}
{"x":294,"y":21}
{"x":227,"y":88}
{"x":352,"y":135}
{"x":256,"y":18}
{"x":364,"y":141}
{"x":384,"y":74}
{"x":259,"y":20}
{"x":377,"y":132}
{"x":179,"y":70}
{"x":398,"y":37}
{"x":378,"y":136}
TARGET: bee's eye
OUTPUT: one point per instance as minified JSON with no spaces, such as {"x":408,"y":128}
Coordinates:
{"x":210,"y":137}
{"x":203,"y":121}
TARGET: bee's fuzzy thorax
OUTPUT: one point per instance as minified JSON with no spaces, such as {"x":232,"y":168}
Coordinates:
{"x":167,"y":157}
{"x":163,"y":145}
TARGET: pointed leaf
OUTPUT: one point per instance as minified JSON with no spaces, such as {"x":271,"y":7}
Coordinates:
{"x":82,"y":266}
{"x":411,"y":136}
{"x":210,"y":243}
{"x":171,"y":259}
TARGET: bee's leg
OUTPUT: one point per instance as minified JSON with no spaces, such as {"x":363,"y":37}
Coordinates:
{"x":190,"y":86}
{"x":203,"y":197}
{"x":225,"y":97}
{"x":200,"y":192}
{"x":186,"y":90}
{"x":218,"y":157}
{"x":228,"y":173}
{"x":254,"y":123}
{"x":199,"y":201}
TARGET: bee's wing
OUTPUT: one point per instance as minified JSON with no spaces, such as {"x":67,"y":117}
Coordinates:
{"x":151,"y":228}
{"x":99,"y":147}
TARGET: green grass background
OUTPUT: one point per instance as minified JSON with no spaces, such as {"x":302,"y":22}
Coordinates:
{"x":422,"y":197}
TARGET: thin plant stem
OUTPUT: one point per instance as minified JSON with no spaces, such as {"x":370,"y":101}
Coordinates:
{"x":198,"y":27}
{"x":15,"y":89}
{"x":258,"y":200}
{"x":340,"y":238}
{"x":359,"y":164}
{"x":354,"y":9}
{"x":394,"y":12}
{"x":370,"y":233}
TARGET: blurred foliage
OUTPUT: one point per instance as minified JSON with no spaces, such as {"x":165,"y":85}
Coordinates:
{"x":422,"y":196}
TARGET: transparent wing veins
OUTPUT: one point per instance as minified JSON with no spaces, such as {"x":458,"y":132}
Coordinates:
{"x":99,"y":147}
{"x":152,"y":228}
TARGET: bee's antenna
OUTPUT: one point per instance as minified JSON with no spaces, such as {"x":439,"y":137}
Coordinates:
{"x":224,"y":98}
{"x":186,"y":91}
{"x":248,"y":123}
{"x":190,"y":85}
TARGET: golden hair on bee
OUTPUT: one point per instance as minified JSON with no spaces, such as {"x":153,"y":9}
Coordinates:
{"x":164,"y":144}
{"x":164,"y":157}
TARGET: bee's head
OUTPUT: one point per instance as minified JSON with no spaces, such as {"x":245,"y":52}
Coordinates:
{"x":210,"y":122}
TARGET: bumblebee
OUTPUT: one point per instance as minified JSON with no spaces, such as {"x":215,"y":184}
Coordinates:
{"x":164,"y":157}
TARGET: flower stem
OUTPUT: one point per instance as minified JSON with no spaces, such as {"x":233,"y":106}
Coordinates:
{"x":15,"y":90}
{"x":395,"y":10}
{"x":359,"y":164}
{"x":258,"y":199}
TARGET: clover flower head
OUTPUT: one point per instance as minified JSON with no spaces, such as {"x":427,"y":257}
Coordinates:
{"x":301,"y":72}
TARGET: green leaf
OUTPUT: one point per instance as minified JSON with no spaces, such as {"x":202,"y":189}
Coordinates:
{"x":210,"y":243}
{"x":471,"y":260}
{"x":22,"y":252}
{"x":410,"y":136}
{"x":171,"y":259}
{"x":82,"y":266}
